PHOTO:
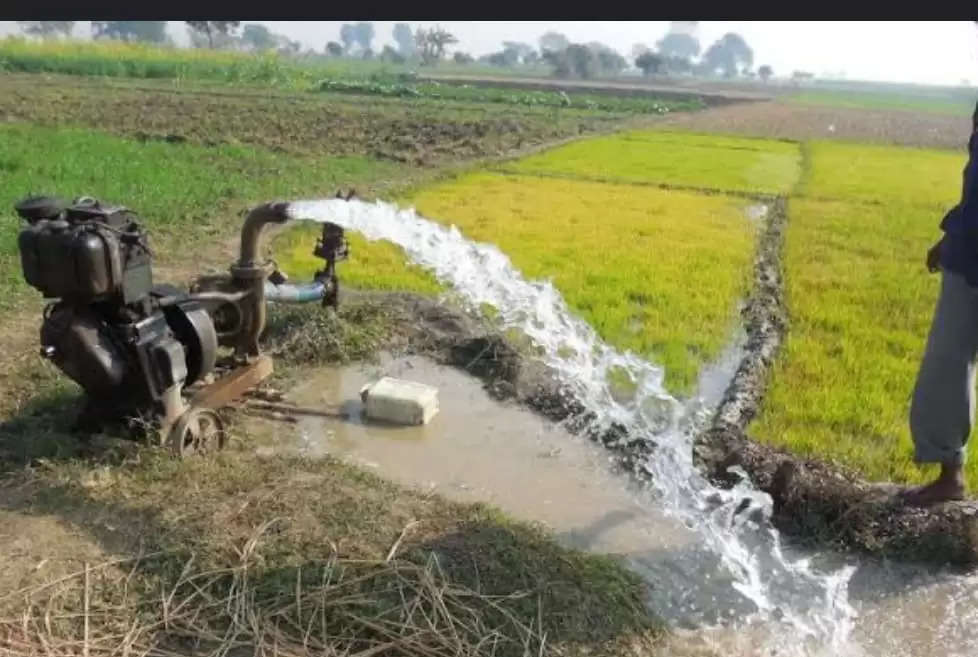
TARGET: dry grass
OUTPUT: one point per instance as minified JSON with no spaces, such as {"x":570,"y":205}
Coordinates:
{"x":340,"y":607}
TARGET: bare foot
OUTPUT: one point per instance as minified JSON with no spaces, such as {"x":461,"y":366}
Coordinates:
{"x":942,"y":490}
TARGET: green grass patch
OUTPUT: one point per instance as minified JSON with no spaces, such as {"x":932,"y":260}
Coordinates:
{"x":373,"y":265}
{"x":139,"y":60}
{"x":654,"y":271}
{"x":184,"y":193}
{"x":146,"y":61}
{"x":939,"y":103}
{"x":890,"y":175}
{"x":703,"y":161}
{"x":860,"y":303}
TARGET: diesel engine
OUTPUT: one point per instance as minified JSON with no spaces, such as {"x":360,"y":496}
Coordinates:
{"x":136,"y":346}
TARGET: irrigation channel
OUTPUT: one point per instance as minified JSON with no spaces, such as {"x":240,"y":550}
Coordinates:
{"x":724,"y":578}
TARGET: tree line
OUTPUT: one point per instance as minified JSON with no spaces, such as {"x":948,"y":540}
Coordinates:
{"x":676,"y":53}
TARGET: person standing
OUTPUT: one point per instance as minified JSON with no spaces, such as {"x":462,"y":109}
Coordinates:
{"x":943,"y":406}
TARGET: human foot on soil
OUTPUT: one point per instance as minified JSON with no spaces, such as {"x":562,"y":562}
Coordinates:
{"x":948,"y":487}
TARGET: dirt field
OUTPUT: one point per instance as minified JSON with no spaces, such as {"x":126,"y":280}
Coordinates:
{"x":712,"y":96}
{"x":798,"y":122}
{"x":417,"y":132}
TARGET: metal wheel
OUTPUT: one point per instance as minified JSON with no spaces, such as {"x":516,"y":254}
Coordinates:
{"x":198,"y":431}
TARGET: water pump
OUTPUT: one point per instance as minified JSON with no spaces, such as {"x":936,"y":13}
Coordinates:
{"x":137,"y":348}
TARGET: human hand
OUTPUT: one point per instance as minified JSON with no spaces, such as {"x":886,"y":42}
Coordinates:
{"x":934,"y":258}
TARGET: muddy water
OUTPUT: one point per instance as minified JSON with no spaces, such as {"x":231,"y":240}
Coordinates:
{"x":476,"y":449}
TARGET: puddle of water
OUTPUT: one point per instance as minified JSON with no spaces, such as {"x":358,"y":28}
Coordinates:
{"x":716,"y":376}
{"x":757,"y":212}
{"x":477,"y":449}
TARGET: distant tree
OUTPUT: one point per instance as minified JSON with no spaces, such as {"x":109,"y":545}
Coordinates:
{"x":677,"y":65}
{"x":765,"y":72}
{"x":638,"y":50}
{"x":364,"y":35}
{"x":404,"y":39}
{"x":728,"y":54}
{"x":558,"y":61}
{"x":367,"y":53}
{"x":348,"y":35}
{"x":286,"y":46}
{"x":513,"y":53}
{"x":582,"y":60}
{"x":463,"y":58}
{"x":649,"y":62}
{"x":677,"y":44}
{"x":334,"y":49}
{"x":553,"y":42}
{"x":152,"y":31}
{"x":607,"y":60}
{"x":212,"y":29}
{"x":432,"y":43}
{"x":502,"y":58}
{"x":47,"y":29}
{"x":391,"y":55}
{"x":518,"y":51}
{"x":258,"y":37}
{"x":531,"y":58}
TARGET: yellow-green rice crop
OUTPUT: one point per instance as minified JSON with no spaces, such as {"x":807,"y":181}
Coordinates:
{"x":658,"y":272}
{"x":885,"y":174}
{"x":704,"y":161}
{"x":860,"y":302}
{"x":377,"y":265}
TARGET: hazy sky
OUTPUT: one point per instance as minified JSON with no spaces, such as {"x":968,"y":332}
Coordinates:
{"x":930,"y":52}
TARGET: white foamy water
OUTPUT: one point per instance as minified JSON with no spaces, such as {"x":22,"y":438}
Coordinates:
{"x":743,"y":576}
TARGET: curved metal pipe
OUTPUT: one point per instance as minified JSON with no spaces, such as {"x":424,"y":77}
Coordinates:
{"x":275,"y":212}
{"x":249,"y":274}
{"x":229,"y":297}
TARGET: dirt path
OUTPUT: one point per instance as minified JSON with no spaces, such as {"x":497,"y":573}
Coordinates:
{"x":800,"y":122}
